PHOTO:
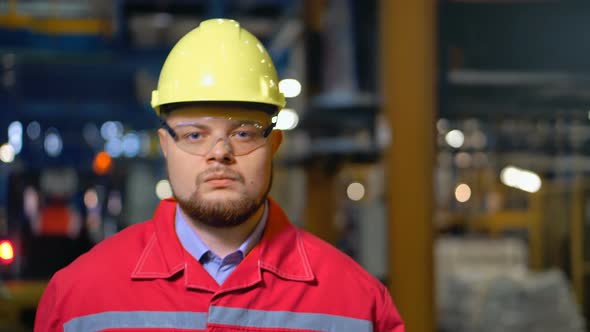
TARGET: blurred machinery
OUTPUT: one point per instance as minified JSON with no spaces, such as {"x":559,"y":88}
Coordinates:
{"x":513,"y":132}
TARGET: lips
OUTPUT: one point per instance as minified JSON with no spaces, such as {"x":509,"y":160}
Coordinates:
{"x":220,"y":177}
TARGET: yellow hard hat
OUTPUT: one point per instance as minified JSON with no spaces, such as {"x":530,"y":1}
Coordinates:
{"x":218,"y":61}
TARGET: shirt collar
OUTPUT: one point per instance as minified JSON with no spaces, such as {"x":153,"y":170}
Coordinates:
{"x":281,"y":251}
{"x":191,"y":241}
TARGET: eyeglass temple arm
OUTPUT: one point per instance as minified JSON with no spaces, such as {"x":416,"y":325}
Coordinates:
{"x":268,"y":130}
{"x":169,"y":129}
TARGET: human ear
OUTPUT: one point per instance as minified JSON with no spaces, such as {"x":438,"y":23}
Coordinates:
{"x":276,"y":140}
{"x":163,"y":142}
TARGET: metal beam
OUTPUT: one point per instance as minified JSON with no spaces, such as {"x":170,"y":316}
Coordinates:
{"x":407,"y":32}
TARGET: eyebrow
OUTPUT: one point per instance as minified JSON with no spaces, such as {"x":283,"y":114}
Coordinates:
{"x":191,"y":124}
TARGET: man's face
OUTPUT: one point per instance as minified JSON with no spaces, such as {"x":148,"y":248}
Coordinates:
{"x":217,"y":187}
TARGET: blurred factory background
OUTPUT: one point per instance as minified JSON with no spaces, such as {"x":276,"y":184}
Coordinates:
{"x":444,"y":145}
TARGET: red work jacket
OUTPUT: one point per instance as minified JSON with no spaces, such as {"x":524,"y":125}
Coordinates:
{"x":142,"y":279}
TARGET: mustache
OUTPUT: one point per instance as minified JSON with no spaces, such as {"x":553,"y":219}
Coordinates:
{"x":219,"y":172}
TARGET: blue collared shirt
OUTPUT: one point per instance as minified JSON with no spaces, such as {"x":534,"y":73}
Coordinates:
{"x":219,"y":268}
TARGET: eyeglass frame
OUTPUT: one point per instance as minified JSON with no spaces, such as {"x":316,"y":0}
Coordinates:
{"x":163,"y":124}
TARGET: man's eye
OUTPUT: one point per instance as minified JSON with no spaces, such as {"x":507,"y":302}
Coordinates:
{"x":244,"y":134}
{"x":191,"y":136}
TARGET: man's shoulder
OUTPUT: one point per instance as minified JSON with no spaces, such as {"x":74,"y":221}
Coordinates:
{"x":328,"y":261}
{"x":118,"y":253}
{"x":132,"y":237}
{"x":319,"y":249}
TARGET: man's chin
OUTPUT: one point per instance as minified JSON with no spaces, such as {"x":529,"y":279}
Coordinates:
{"x":220,"y":195}
{"x":219,"y":210}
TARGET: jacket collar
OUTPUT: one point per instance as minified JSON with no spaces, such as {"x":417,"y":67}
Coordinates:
{"x":281,"y":251}
{"x":162,"y":256}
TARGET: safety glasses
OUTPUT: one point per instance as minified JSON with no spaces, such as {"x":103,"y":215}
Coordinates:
{"x":198,"y":137}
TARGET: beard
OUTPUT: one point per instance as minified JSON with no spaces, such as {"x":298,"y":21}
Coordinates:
{"x":222,"y":213}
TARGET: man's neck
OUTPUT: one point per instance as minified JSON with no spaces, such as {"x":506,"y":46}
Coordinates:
{"x":225,"y":240}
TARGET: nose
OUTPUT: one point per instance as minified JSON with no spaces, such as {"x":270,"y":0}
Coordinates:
{"x":221,"y":151}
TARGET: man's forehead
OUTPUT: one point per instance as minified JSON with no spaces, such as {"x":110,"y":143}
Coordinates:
{"x":235,"y":113}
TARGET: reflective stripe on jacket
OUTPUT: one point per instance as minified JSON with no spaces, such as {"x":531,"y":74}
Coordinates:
{"x":142,"y":279}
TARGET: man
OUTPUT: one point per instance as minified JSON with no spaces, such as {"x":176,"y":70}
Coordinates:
{"x":221,"y":255}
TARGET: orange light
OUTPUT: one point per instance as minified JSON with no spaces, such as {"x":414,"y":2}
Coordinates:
{"x":6,"y":252}
{"x":102,"y":163}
